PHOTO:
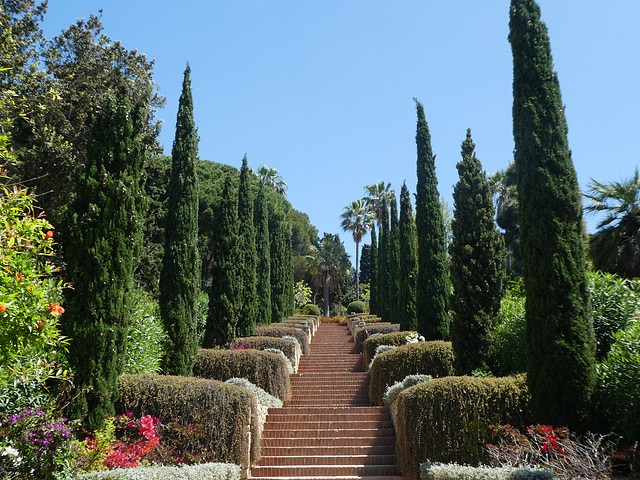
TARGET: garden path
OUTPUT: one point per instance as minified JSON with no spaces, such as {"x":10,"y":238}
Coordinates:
{"x":329,"y":430}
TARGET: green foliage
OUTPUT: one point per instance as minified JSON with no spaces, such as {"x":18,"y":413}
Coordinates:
{"x":560,"y":338}
{"x":619,"y":383}
{"x":615,"y":303}
{"x":447,"y":406}
{"x":509,"y":339}
{"x":202,"y":310}
{"x":280,"y":352}
{"x":302,"y":294}
{"x":263,"y":265}
{"x":372,"y":343}
{"x":383,"y":273}
{"x":453,"y":471}
{"x":371,"y":329}
{"x":146,"y":337}
{"x":219,"y":471}
{"x":373,"y":271}
{"x":334,"y":268}
{"x":179,"y":278}
{"x":103,"y":242}
{"x":266,"y":370}
{"x":357,"y":218}
{"x":287,"y":347}
{"x":432,"y":281}
{"x":365,"y":264}
{"x":356,"y":307}
{"x":265,"y":399}
{"x":222,"y":411}
{"x":394,"y":261}
{"x":282,"y":331}
{"x":408,"y":262}
{"x":433,"y":358}
{"x":394,"y":390}
{"x":281,"y":269}
{"x":311,"y":309}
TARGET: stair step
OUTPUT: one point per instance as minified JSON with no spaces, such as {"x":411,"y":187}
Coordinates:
{"x":329,"y":410}
{"x":322,"y":460}
{"x":329,"y":425}
{"x":326,"y":470}
{"x":328,"y":450}
{"x":329,"y":442}
{"x":324,"y":417}
{"x":330,"y":433}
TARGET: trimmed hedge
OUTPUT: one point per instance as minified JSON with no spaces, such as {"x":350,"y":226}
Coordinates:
{"x":447,"y":419}
{"x":288,"y":347}
{"x":370,"y":329}
{"x":311,"y":309}
{"x":265,"y":399}
{"x":264,"y":369}
{"x":304,"y":326}
{"x":426,"y":358}
{"x":371,"y":344}
{"x":453,"y":471}
{"x":281,"y":331}
{"x":356,"y":307}
{"x":203,"y":471}
{"x":223,"y":411}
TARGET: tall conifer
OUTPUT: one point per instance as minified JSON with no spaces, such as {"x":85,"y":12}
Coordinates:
{"x":104,"y":239}
{"x":408,"y":263}
{"x":280,"y":236}
{"x":394,"y":259}
{"x":559,"y":334}
{"x":373,"y":272}
{"x":224,"y":293}
{"x":247,"y":252}
{"x":477,"y":264}
{"x":263,"y":266}
{"x":432,"y":281}
{"x":383,"y":275}
{"x":180,"y":275}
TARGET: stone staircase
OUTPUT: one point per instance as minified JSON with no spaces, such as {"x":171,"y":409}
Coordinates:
{"x":329,"y":430}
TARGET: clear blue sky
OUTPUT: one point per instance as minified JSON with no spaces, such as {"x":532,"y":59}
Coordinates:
{"x":323,"y":91}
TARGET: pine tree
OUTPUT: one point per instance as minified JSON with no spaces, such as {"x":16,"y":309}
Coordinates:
{"x":394,"y":265}
{"x":408,"y":263}
{"x":432,"y":283}
{"x":180,"y":275}
{"x":263,"y":265}
{"x":383,"y":268}
{"x":559,"y":334}
{"x":103,"y":242}
{"x":477,"y":265}
{"x":224,"y":293}
{"x":373,"y":272}
{"x":279,"y":231}
{"x":247,"y":253}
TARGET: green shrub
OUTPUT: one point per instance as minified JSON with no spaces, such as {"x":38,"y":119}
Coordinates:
{"x":204,"y":471}
{"x":453,"y":471}
{"x":356,"y":307}
{"x":264,"y":398}
{"x":266,"y":370}
{"x":426,"y":358}
{"x":379,"y":350}
{"x":447,"y":419}
{"x":394,"y":390}
{"x":280,"y":352}
{"x":287,"y":346}
{"x":615,"y":301}
{"x":374,"y":341}
{"x":281,"y":331}
{"x":371,"y":328}
{"x":311,"y":309}
{"x":304,"y":326}
{"x":202,"y":310}
{"x":509,"y":344}
{"x":146,"y":335}
{"x":298,"y":347}
{"x":221,"y":410}
{"x":619,"y":383}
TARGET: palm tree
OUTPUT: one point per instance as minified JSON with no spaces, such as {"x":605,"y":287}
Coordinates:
{"x":615,"y":247}
{"x":334,"y":267}
{"x":378,"y":195}
{"x":357,"y":219}
{"x":272,"y":179}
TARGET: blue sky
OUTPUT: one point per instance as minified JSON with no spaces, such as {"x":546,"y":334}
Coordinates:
{"x":323,"y":91}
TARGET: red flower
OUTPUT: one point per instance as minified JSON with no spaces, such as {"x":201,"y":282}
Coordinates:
{"x":55,"y":309}
{"x":3,"y":307}
{"x":48,"y":235}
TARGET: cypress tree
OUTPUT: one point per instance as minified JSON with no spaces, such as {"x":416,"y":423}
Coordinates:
{"x":224,"y":293}
{"x":383,"y":276}
{"x":477,"y":265}
{"x":279,"y":229}
{"x":247,"y":253}
{"x":394,"y":265}
{"x":373,"y":272}
{"x":263,"y":266}
{"x":432,"y":283}
{"x":365,"y":263}
{"x":408,"y":264}
{"x":559,"y":333}
{"x":104,"y":239}
{"x":180,"y":275}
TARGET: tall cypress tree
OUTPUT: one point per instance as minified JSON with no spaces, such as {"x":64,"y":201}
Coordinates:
{"x":394,"y":259}
{"x":180,"y":275}
{"x":263,"y":265}
{"x":365,"y":263}
{"x":408,"y":263}
{"x":279,"y":230}
{"x":104,"y":239}
{"x":432,"y":281}
{"x":247,"y":253}
{"x":373,"y":271}
{"x":477,"y":265}
{"x":383,"y":275}
{"x":559,"y":334}
{"x":224,"y":293}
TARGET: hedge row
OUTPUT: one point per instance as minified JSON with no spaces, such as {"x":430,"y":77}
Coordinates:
{"x":428,"y":358}
{"x":223,"y":411}
{"x":204,"y":471}
{"x":370,"y":344}
{"x":264,"y":369}
{"x":304,"y":326}
{"x":447,"y":419}
{"x":361,"y":319}
{"x":370,"y":329}
{"x":281,"y":331}
{"x":453,"y":471}
{"x":288,"y":347}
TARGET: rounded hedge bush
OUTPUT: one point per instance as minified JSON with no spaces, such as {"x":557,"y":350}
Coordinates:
{"x":356,"y":307}
{"x":311,"y":309}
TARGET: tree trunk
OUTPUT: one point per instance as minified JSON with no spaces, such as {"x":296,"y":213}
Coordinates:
{"x":357,"y":272}
{"x":325,"y":306}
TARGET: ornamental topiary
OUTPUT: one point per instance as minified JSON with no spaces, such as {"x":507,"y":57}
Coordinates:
{"x":311,"y":309}
{"x":356,"y":307}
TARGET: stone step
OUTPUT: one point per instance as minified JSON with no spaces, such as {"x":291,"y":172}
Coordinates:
{"x":298,"y":450}
{"x":321,"y":442}
{"x":329,"y":460}
{"x":330,"y":425}
{"x":326,"y":417}
{"x":330,"y":433}
{"x":325,"y":471}
{"x":329,"y":410}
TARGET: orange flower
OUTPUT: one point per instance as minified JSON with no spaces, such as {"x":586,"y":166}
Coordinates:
{"x":55,"y":309}
{"x":48,"y":235}
{"x":3,"y":307}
